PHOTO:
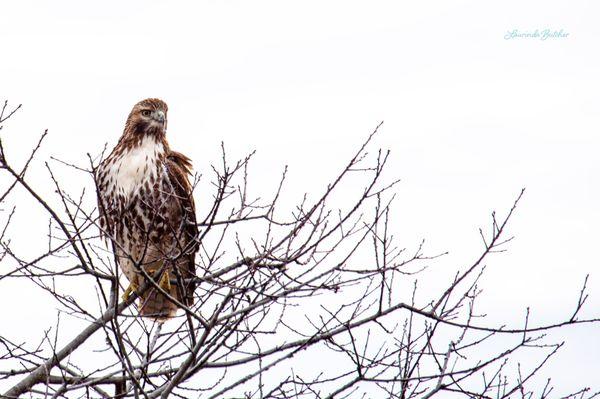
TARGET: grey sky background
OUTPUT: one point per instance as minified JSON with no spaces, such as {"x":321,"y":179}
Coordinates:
{"x":470,"y":118}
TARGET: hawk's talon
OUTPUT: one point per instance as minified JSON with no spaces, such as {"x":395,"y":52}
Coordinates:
{"x":130,"y":290}
{"x":165,"y":281}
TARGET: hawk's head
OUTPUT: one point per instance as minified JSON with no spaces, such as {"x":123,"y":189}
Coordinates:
{"x":148,"y":117}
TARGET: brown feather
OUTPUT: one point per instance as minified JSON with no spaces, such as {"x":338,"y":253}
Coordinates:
{"x":147,"y":209}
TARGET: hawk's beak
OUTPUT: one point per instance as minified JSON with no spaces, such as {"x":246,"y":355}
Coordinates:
{"x":158,"y":116}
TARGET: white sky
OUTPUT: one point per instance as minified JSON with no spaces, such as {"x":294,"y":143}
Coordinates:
{"x":470,"y":117}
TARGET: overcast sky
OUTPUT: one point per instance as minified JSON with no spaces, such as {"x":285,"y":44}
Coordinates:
{"x":470,"y":116}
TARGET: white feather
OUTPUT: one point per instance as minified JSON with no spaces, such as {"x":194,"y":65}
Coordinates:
{"x":135,"y":167}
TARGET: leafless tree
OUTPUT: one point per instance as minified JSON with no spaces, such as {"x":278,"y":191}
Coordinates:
{"x":318,"y":301}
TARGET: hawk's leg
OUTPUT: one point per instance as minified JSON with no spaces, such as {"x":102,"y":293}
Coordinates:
{"x":165,"y":281}
{"x":133,"y":287}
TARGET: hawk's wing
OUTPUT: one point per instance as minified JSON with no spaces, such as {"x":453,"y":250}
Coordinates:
{"x":100,"y":179}
{"x":179,"y":168}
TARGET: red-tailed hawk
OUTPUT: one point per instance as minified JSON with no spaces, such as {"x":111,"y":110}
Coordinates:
{"x":147,"y":210}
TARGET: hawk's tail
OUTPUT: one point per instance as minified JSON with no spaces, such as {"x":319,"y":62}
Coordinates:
{"x":153,"y":303}
{"x":157,"y":305}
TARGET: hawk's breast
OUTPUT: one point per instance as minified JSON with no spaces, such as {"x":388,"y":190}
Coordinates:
{"x":126,"y":173}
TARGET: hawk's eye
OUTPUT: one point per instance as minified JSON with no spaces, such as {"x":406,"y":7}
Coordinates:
{"x":146,"y":112}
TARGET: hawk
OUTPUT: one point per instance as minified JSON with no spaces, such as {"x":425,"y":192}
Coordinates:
{"x":147,"y":211}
